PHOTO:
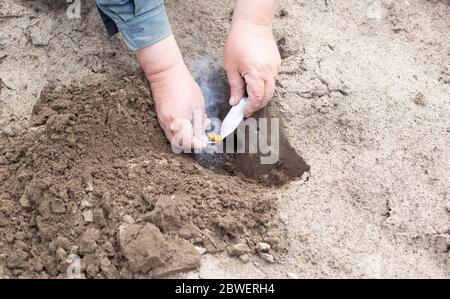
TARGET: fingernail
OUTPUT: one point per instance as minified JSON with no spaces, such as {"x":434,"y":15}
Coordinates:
{"x":233,"y":101}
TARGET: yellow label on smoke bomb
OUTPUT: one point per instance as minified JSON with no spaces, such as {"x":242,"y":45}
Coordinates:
{"x":214,"y":137}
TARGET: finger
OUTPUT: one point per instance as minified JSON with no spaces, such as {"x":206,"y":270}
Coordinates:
{"x":183,"y":135}
{"x":207,"y":123}
{"x":256,"y":91}
{"x":177,"y":130}
{"x":166,"y":129}
{"x":198,"y":144}
{"x":199,"y":133}
{"x":269,"y":91}
{"x":237,"y":87}
{"x":198,"y":122}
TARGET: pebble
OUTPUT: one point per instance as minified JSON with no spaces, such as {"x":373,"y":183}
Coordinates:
{"x":200,"y":250}
{"x":238,"y":249}
{"x":262,"y":247}
{"x":85,"y":204}
{"x":25,"y":202}
{"x":88,"y":216}
{"x":267,"y":257}
{"x":245,"y":258}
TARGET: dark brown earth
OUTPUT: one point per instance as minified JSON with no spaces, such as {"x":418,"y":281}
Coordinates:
{"x":95,"y":160}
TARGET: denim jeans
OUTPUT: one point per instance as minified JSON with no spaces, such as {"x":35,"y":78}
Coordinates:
{"x":141,"y":22}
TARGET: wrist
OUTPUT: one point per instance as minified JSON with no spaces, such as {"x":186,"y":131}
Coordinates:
{"x":256,"y":12}
{"x":159,"y":58}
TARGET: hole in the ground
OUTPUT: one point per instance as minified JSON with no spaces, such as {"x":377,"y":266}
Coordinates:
{"x":277,"y":165}
{"x":289,"y":164}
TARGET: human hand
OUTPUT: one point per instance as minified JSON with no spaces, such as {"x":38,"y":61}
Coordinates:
{"x":178,"y":99}
{"x":252,"y":62}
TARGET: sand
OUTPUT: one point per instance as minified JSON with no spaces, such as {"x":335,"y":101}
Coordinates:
{"x":364,"y":98}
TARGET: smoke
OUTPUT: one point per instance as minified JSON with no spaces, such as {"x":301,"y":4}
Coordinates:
{"x":213,"y":83}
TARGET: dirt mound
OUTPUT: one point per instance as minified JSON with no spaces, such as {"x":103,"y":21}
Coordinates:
{"x":95,"y":159}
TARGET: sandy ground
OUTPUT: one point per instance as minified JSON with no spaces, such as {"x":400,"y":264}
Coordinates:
{"x":365,"y":96}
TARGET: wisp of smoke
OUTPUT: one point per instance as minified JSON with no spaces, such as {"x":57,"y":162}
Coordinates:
{"x":213,"y":83}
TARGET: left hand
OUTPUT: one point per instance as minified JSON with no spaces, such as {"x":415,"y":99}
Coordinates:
{"x":252,"y":62}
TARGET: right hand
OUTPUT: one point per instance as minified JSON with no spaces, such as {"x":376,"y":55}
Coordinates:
{"x":178,"y":98}
{"x":252,"y":61}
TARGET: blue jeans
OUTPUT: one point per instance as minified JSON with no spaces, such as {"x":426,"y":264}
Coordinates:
{"x":141,"y":22}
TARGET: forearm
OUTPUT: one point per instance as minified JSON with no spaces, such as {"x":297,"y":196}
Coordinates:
{"x":259,"y":12}
{"x":160,"y":57}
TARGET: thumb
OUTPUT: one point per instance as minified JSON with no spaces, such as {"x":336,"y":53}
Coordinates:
{"x":237,"y":87}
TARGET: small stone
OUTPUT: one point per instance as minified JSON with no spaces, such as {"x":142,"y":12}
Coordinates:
{"x":245,"y":258}
{"x":262,"y":247}
{"x":238,"y":249}
{"x":128,"y":219}
{"x":267,"y":257}
{"x":200,"y":250}
{"x":292,"y":275}
{"x":85,"y":204}
{"x":419,"y":99}
{"x":88,"y":216}
{"x":25,"y":202}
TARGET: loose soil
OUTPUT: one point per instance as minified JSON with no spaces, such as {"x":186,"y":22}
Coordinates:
{"x":95,"y":159}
